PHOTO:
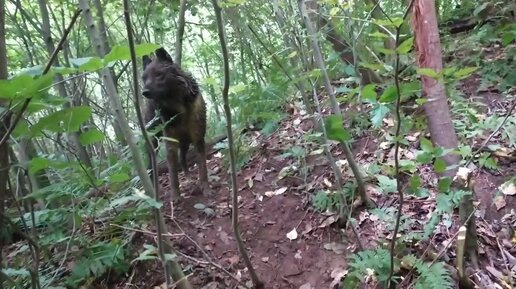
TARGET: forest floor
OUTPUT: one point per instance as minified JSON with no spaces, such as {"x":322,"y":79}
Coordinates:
{"x":273,"y":203}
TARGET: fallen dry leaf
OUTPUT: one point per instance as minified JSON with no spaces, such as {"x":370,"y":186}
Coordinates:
{"x":292,"y":235}
{"x":508,"y":188}
{"x":500,"y":202}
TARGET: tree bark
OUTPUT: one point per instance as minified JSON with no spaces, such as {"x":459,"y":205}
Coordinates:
{"x":178,"y":54}
{"x":428,"y":52}
{"x":4,"y":148}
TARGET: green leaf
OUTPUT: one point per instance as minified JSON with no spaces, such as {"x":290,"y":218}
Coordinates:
{"x":66,"y":120}
{"x":428,"y":72}
{"x":21,"y":129}
{"x":465,"y":72}
{"x":378,"y":113}
{"x":368,"y":92}
{"x":387,"y":185}
{"x":508,"y":38}
{"x":91,"y":136}
{"x":38,"y":163}
{"x":439,"y":165}
{"x":75,"y":116}
{"x":444,"y":184}
{"x":119,"y":52}
{"x":405,"y":46}
{"x":25,"y":86}
{"x":87,"y":64}
{"x":424,"y":158}
{"x":389,"y":94}
{"x":118,"y":178}
{"x":335,"y":130}
{"x":426,"y":145}
{"x":379,"y":34}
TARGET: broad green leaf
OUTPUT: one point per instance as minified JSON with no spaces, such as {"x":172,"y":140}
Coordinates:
{"x":21,"y":129}
{"x":38,"y":163}
{"x":424,"y":158}
{"x":65,"y":120}
{"x":25,"y":86}
{"x":405,"y":46}
{"x":439,"y":165}
{"x":414,"y":183}
{"x":335,"y":130}
{"x":428,"y":72}
{"x":426,"y":145}
{"x":410,"y":88}
{"x":444,"y":184}
{"x":91,"y":136}
{"x":389,"y":95}
{"x":387,"y":185}
{"x":369,"y":93}
{"x":378,"y":114}
{"x":76,"y":116}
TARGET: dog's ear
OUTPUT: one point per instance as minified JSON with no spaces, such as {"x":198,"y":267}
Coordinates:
{"x":146,"y":60}
{"x":163,"y":55}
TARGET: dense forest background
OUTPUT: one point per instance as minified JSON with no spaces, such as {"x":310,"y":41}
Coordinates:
{"x":350,"y":144}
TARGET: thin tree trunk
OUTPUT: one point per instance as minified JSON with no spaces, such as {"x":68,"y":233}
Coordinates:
{"x":4,"y":148}
{"x":334,"y":104}
{"x":428,"y":51}
{"x":258,"y":284}
{"x":180,"y":33}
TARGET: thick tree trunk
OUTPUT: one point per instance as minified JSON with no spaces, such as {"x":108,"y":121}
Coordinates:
{"x":428,"y":51}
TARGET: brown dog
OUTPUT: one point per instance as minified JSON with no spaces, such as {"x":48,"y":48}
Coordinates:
{"x":175,"y":96}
